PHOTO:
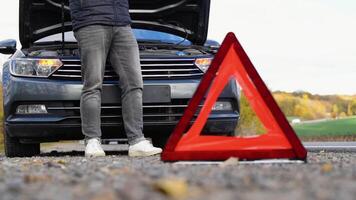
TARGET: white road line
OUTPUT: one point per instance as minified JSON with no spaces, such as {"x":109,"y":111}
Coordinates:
{"x":330,"y":146}
{"x":337,"y":147}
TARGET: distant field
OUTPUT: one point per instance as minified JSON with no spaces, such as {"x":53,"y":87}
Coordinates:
{"x":340,"y":129}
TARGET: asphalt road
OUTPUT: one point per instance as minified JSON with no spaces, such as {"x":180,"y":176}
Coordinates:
{"x":61,"y":172}
{"x":331,"y":146}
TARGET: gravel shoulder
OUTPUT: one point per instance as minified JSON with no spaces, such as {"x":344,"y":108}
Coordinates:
{"x":61,"y":173}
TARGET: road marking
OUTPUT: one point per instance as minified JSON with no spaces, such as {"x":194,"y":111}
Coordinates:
{"x":330,"y":146}
{"x":337,"y":147}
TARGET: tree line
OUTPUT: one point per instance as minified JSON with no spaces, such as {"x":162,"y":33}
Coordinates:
{"x":308,"y":106}
{"x":302,"y":105}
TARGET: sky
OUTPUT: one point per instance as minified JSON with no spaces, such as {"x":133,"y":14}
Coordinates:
{"x":307,"y":45}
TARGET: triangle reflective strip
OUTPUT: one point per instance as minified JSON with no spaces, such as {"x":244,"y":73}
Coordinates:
{"x":279,"y":141}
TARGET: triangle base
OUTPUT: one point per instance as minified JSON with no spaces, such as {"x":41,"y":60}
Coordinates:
{"x":224,"y":155}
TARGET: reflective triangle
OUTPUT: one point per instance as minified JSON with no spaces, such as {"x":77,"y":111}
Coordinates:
{"x":279,"y":141}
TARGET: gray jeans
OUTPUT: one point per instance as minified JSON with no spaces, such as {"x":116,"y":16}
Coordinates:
{"x":96,"y":44}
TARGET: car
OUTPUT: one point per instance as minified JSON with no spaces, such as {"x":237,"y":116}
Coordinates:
{"x":42,"y":80}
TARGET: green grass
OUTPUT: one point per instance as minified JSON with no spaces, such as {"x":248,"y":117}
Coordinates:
{"x":340,"y":128}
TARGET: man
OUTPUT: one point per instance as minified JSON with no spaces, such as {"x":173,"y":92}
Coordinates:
{"x":103,"y":31}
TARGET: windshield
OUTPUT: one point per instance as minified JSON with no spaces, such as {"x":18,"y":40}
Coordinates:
{"x":148,"y":35}
{"x":142,"y":35}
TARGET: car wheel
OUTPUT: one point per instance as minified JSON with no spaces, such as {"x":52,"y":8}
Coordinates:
{"x":159,"y":141}
{"x":13,"y":147}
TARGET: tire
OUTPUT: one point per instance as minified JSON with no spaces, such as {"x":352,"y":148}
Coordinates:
{"x":160,"y":141}
{"x":13,"y":147}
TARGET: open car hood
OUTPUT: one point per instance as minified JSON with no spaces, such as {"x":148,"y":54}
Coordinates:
{"x":186,"y":18}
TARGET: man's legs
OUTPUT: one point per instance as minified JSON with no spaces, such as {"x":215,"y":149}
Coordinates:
{"x":94,"y":44}
{"x":125,"y":59}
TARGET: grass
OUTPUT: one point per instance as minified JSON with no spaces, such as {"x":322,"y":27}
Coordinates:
{"x":339,"y":129}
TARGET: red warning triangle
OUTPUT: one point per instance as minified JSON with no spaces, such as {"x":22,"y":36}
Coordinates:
{"x":280,"y":140}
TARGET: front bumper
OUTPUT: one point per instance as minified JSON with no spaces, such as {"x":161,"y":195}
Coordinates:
{"x":164,"y":102}
{"x":49,"y":132}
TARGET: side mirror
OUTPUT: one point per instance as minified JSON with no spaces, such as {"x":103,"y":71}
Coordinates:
{"x":212,"y":44}
{"x":8,"y":46}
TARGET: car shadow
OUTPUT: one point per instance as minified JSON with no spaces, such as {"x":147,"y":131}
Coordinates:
{"x":79,"y":153}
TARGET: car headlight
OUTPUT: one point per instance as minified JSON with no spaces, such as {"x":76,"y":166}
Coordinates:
{"x":34,"y":67}
{"x":222,"y":106}
{"x":203,"y":63}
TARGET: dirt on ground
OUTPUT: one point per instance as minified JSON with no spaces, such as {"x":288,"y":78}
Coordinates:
{"x":60,"y":173}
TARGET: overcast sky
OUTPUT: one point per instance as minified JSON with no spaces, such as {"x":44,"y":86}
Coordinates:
{"x":295,"y":44}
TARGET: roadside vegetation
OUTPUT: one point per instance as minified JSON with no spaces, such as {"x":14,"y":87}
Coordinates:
{"x":318,"y":117}
{"x":249,"y":123}
{"x":340,"y":129}
{"x":306,"y":106}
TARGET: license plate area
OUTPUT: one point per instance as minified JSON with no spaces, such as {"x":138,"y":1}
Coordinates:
{"x":151,"y":94}
{"x":157,"y":94}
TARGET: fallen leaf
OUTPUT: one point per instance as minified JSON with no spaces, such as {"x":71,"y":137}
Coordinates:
{"x":247,"y":180}
{"x":327,"y":168}
{"x":36,"y":178}
{"x":172,"y":187}
{"x":229,"y":162}
{"x":105,"y":195}
{"x":62,"y":162}
{"x":115,"y":171}
{"x":35,"y":162}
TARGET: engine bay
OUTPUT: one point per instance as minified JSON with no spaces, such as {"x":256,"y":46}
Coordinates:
{"x":145,"y":50}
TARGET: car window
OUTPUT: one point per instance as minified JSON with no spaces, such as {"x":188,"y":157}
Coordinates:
{"x":149,"y":35}
{"x":142,"y":35}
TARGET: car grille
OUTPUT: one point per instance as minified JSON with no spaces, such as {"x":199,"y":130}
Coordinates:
{"x":151,"y":69}
{"x":112,"y":114}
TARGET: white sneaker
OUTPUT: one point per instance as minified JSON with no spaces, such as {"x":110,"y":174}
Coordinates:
{"x":143,"y":148}
{"x":93,"y":148}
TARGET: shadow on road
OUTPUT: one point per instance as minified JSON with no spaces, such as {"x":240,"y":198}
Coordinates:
{"x":74,"y":149}
{"x":79,"y":153}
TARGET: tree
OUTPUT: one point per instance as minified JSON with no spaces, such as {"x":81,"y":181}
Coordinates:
{"x":351,"y":110}
{"x":249,"y":123}
{"x":335,"y":111}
